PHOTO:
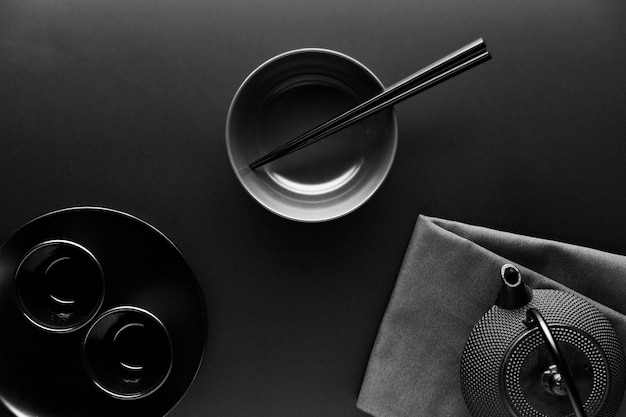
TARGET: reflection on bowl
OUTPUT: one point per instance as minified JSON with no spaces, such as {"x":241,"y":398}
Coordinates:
{"x":317,"y":189}
{"x":59,"y":286}
{"x":127,"y":352}
{"x":290,"y":94}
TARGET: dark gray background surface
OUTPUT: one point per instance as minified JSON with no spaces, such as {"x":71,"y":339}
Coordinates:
{"x":122,"y":104}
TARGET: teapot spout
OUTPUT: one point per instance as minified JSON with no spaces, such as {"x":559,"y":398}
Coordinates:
{"x":514,"y":293}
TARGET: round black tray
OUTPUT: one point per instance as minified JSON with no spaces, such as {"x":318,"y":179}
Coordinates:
{"x":42,"y":372}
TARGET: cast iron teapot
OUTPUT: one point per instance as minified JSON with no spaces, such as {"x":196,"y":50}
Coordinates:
{"x":542,"y":353}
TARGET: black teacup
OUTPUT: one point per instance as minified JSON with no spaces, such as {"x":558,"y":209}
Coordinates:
{"x":59,"y":286}
{"x":127,"y":352}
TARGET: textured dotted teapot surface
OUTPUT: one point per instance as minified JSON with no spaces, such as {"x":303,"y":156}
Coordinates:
{"x":503,"y":361}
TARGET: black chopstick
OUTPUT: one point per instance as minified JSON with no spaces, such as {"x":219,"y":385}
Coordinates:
{"x":406,"y":94}
{"x":443,"y":69}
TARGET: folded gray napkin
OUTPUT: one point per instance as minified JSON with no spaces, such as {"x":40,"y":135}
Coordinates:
{"x":449,"y":278}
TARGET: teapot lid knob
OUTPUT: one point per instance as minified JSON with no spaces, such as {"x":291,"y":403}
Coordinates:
{"x":514,"y":293}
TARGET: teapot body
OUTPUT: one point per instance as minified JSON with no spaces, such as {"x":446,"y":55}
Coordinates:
{"x":507,"y":369}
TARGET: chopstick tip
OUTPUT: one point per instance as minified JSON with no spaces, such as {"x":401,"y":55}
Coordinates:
{"x":245,"y":168}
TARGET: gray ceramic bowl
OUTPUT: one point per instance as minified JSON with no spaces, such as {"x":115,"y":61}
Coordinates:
{"x":290,"y":94}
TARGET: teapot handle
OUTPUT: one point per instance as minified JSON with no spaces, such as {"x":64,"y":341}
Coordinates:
{"x":535,"y":319}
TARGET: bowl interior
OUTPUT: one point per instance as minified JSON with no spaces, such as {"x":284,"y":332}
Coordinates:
{"x":287,"y":96}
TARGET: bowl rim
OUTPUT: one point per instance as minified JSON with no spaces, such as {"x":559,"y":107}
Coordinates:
{"x":239,"y":170}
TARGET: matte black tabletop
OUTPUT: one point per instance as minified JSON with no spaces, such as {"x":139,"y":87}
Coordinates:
{"x":123,"y":103}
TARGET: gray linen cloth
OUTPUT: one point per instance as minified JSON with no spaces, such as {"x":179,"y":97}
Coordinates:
{"x":449,"y":278}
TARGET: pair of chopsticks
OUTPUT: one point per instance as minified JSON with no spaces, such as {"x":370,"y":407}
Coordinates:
{"x":463,"y":59}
